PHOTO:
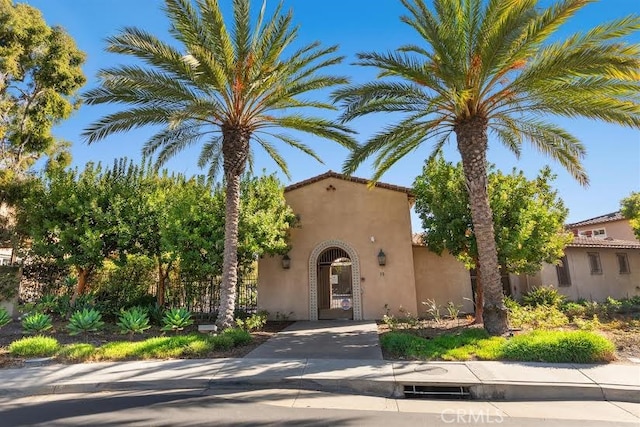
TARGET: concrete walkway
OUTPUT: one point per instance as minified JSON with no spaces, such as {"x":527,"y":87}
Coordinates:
{"x":327,"y":339}
{"x":494,"y":381}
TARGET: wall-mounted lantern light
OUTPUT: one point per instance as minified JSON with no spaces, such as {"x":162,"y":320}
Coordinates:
{"x":286,"y":262}
{"x":382,"y":258}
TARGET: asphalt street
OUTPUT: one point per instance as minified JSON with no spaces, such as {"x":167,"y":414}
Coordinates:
{"x":297,"y":408}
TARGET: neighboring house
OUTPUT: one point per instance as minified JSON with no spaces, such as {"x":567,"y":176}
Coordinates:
{"x":612,"y":225}
{"x":603,"y":260}
{"x":352,"y":255}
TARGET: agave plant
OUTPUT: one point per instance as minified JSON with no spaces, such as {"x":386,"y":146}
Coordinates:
{"x":176,"y":319}
{"x":36,"y":323}
{"x":133,"y":320}
{"x":84,"y":321}
{"x":4,"y":317}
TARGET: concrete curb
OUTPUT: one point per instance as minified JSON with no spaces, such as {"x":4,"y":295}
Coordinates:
{"x":499,"y":391}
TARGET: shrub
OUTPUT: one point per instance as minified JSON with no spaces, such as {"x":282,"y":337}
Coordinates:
{"x":543,"y":295}
{"x":453,"y":310}
{"x":459,"y":346}
{"x":4,"y":317}
{"x":64,"y":307}
{"x":47,"y":304}
{"x":253,"y":322}
{"x":592,"y":308}
{"x":573,"y":310}
{"x":543,"y":317}
{"x":125,"y":285}
{"x":433,"y":310}
{"x":84,"y":321}
{"x":156,"y":313}
{"x":511,"y":304}
{"x":75,"y":352}
{"x":587,"y":325}
{"x":38,"y":346}
{"x":36,"y":323}
{"x":223,"y":342}
{"x":133,"y":320}
{"x":239,"y":336}
{"x":157,"y":348}
{"x":176,"y":319}
{"x":612,"y":306}
{"x":559,"y":347}
{"x":629,"y":305}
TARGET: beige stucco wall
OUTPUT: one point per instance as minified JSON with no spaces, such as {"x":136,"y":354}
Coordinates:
{"x":353,"y":214}
{"x":620,"y":230}
{"x":596,"y":287}
{"x":441,"y":278}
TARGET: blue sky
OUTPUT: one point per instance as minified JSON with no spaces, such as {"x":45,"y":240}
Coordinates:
{"x":613,"y":152}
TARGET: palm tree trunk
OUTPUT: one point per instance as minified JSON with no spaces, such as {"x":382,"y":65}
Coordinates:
{"x":479,"y":318}
{"x":235,"y":150}
{"x":472,"y":144}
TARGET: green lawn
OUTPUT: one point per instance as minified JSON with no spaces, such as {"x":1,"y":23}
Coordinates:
{"x":165,"y":347}
{"x":534,"y":346}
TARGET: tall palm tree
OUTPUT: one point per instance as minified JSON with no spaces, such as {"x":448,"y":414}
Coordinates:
{"x":489,"y":66}
{"x":221,"y":88}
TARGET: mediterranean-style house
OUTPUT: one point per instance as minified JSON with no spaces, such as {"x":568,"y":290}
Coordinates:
{"x":603,"y":260}
{"x":353,"y":256}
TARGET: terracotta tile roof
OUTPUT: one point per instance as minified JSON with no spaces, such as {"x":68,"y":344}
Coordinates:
{"x":613,"y":216}
{"x":590,"y":242}
{"x":332,"y":174}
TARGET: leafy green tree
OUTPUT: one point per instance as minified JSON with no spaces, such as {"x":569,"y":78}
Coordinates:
{"x":265,"y":220}
{"x":40,"y":71}
{"x":224,"y":88}
{"x":631,"y":210}
{"x":528,"y":217}
{"x":191,"y":225}
{"x":79,"y":218}
{"x":493,"y":66}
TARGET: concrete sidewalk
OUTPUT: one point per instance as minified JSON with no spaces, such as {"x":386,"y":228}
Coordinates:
{"x":483,"y":380}
{"x":327,"y":339}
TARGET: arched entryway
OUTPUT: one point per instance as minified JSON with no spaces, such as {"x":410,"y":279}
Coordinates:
{"x":334,"y":282}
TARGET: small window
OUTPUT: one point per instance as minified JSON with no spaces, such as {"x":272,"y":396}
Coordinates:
{"x":623,"y":263}
{"x":562,"y":270}
{"x":594,"y":262}
{"x":600,"y":233}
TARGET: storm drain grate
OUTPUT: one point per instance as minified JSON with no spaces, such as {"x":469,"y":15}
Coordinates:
{"x":436,"y":392}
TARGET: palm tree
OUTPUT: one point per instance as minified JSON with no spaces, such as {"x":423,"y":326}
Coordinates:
{"x":488,"y":66}
{"x":223,"y":89}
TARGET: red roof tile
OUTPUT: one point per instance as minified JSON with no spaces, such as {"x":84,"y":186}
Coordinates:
{"x":613,"y":216}
{"x":590,"y":242}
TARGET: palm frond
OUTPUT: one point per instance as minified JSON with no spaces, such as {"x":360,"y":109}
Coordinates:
{"x":318,"y":126}
{"x":217,"y":77}
{"x":190,"y":130}
{"x":126,"y":120}
{"x":295,"y":144}
{"x":151,"y":50}
{"x":273,"y":153}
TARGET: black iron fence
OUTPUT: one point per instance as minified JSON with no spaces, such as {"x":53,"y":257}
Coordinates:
{"x":202,"y":297}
